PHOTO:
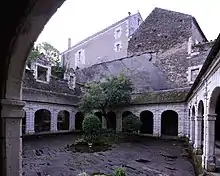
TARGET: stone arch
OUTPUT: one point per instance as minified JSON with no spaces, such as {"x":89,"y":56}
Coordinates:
{"x":42,"y":120}
{"x":79,"y":117}
{"x":193,"y":111}
{"x":24,"y":122}
{"x":99,"y":115}
{"x":21,"y":29}
{"x":169,"y":123}
{"x":111,"y":120}
{"x":201,"y":114}
{"x":214,"y":109}
{"x":63,"y":120}
{"x":147,"y":120}
{"x":126,"y":113}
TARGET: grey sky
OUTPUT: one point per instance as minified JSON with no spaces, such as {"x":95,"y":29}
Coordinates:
{"x":79,"y":19}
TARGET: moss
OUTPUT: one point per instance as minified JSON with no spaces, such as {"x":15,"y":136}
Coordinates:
{"x":160,"y":97}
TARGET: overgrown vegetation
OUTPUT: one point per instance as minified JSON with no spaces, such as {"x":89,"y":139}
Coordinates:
{"x":113,"y":92}
{"x":50,"y":53}
{"x":131,"y":124}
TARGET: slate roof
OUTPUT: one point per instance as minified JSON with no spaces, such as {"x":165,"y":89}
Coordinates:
{"x":55,"y":85}
{"x":162,"y":29}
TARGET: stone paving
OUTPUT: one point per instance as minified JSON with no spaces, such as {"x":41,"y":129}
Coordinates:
{"x":48,"y":156}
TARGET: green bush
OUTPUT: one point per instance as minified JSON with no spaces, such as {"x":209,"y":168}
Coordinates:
{"x":91,"y":126}
{"x":131,"y":124}
{"x":120,"y":172}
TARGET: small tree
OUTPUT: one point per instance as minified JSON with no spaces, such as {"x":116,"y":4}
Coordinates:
{"x":114,"y":91}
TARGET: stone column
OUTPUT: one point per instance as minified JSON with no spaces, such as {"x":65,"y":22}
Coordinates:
{"x":119,"y":123}
{"x":198,"y":135}
{"x":29,"y":121}
{"x":192,"y":130}
{"x":53,"y":122}
{"x":11,"y":142}
{"x":188,"y":127}
{"x":210,"y":143}
{"x":104,"y":123}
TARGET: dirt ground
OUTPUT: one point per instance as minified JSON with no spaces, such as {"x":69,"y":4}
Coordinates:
{"x":48,"y":156}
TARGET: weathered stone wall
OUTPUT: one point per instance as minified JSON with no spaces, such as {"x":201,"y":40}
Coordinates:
{"x":142,"y":70}
{"x":32,"y":107}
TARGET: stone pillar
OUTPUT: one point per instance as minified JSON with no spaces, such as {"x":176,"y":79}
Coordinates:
{"x":192,"y":130}
{"x":118,"y":123}
{"x":104,"y":123}
{"x":210,"y":143}
{"x":72,"y":121}
{"x":188,"y":127}
{"x":53,"y":122}
{"x":198,"y":135}
{"x":29,"y":121}
{"x":11,"y":142}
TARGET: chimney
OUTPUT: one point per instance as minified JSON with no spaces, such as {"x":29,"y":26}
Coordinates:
{"x":69,"y":43}
{"x":129,"y":13}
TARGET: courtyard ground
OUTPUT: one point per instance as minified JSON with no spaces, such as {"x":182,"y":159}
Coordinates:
{"x":49,"y":156}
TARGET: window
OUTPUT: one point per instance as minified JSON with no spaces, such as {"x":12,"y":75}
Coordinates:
{"x":118,"y":47}
{"x":79,"y":54}
{"x":42,"y":73}
{"x":194,"y":73}
{"x":139,"y":21}
{"x":118,"y":32}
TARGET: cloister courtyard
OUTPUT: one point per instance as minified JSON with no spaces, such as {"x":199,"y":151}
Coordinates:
{"x":49,"y":155}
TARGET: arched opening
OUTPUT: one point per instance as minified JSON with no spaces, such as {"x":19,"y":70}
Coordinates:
{"x":42,"y":118}
{"x":169,"y":123}
{"x":147,"y":120}
{"x":111,"y":120}
{"x":79,"y":117}
{"x":99,"y":115}
{"x":125,"y":114}
{"x":24,"y":122}
{"x":201,"y":114}
{"x":63,"y":120}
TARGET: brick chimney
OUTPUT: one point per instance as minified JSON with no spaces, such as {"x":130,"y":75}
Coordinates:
{"x":69,"y":43}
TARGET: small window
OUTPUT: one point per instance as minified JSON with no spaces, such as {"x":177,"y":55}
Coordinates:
{"x":79,"y":54}
{"x":139,"y":21}
{"x":194,"y":73}
{"x":42,"y":73}
{"x":71,"y":81}
{"x":118,"y":47}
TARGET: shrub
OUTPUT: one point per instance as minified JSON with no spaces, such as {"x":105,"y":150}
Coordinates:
{"x":91,"y":126}
{"x":131,"y":123}
{"x":120,"y":172}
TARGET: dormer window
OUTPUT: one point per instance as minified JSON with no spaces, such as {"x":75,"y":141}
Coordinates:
{"x":42,"y":73}
{"x":193,"y":73}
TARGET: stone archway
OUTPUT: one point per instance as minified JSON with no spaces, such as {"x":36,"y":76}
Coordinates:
{"x":63,"y":120}
{"x":147,"y":119}
{"x":79,"y":117}
{"x":201,"y":122}
{"x":111,"y":120}
{"x":212,"y":152}
{"x":24,"y":122}
{"x":126,"y":113}
{"x":169,"y":123}
{"x":25,"y":21}
{"x":42,"y":120}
